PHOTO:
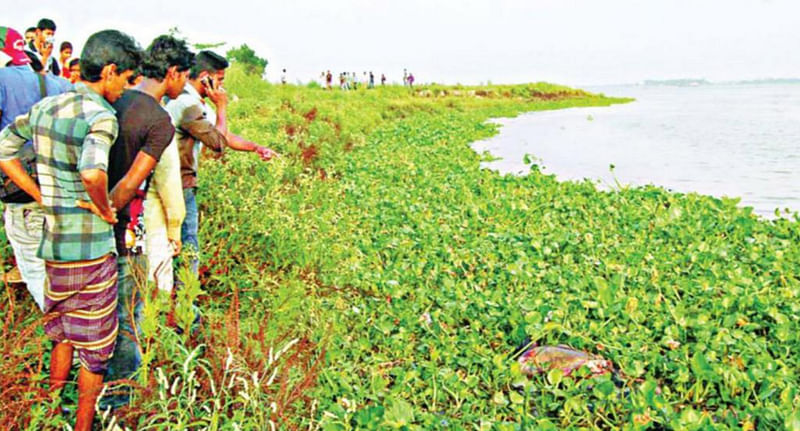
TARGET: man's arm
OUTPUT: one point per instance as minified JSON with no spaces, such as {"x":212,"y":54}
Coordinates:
{"x":47,"y":50}
{"x":126,"y":188}
{"x":167,"y":183}
{"x":159,"y":135}
{"x":93,"y":163}
{"x":95,"y":181}
{"x":238,"y":143}
{"x":202,"y":130}
{"x":12,"y":139}
{"x":20,"y":177}
{"x":220,"y":99}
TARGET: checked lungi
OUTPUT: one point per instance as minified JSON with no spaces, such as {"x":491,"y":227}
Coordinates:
{"x":83,"y":298}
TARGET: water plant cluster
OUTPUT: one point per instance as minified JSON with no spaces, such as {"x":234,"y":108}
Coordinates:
{"x":374,"y":277}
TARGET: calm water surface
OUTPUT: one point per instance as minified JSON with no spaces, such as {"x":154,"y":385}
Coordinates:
{"x":721,"y":140}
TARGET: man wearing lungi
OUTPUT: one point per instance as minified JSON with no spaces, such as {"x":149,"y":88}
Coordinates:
{"x":72,"y":134}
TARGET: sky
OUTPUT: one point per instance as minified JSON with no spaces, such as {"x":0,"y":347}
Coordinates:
{"x":572,"y":42}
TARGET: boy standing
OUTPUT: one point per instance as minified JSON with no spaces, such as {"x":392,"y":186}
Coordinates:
{"x":72,"y":134}
{"x":40,"y":50}
{"x":64,"y":54}
{"x":145,"y":132}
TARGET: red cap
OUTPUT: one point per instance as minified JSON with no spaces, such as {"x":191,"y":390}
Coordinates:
{"x":14,"y":46}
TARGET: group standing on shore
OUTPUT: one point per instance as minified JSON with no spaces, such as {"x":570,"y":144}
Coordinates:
{"x":101,"y":159}
{"x":351,"y":81}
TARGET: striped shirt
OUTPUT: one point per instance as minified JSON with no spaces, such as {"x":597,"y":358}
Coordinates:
{"x":71,"y":133}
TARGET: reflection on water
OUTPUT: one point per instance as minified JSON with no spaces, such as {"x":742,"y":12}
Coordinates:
{"x":721,"y":140}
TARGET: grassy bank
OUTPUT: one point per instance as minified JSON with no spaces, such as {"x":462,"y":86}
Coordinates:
{"x":375,"y":278}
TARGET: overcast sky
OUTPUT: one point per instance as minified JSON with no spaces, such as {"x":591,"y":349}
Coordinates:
{"x":575,"y":42}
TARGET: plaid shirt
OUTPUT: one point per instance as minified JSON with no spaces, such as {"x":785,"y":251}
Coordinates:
{"x":71,"y":132}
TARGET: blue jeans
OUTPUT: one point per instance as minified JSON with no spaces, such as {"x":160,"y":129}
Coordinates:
{"x":127,"y":353}
{"x":190,"y":227}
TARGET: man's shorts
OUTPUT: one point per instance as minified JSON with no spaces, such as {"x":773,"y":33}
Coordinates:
{"x":82,"y":296}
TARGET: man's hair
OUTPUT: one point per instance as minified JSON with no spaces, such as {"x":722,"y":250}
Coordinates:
{"x":30,"y":29}
{"x":46,"y":24}
{"x":207,"y":61}
{"x":109,"y":47}
{"x":64,"y":45}
{"x":73,"y":62}
{"x":163,"y":53}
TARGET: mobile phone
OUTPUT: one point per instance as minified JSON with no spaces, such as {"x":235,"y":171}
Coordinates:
{"x":209,"y":82}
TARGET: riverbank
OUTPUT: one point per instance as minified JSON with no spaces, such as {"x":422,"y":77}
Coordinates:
{"x":385,"y":278}
{"x":722,"y":140}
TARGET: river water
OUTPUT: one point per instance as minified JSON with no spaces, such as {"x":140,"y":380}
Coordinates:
{"x":721,"y":140}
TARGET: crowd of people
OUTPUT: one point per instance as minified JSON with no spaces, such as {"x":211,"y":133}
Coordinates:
{"x":99,"y":156}
{"x":39,"y":44}
{"x":351,"y":81}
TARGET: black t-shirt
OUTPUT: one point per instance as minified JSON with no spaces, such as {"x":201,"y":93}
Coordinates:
{"x":143,"y":126}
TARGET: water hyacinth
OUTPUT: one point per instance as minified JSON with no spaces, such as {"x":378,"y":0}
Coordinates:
{"x":378,"y":204}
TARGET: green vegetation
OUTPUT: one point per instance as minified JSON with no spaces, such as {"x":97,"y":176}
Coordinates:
{"x":375,"y":278}
{"x":177,"y":33}
{"x":245,"y":56}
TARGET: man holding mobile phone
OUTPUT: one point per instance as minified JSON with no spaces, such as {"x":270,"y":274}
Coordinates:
{"x":40,"y":50}
{"x":197,"y":124}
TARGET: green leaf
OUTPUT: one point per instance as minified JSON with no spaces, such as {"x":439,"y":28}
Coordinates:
{"x":604,"y":389}
{"x":399,"y":414}
{"x":700,"y":366}
{"x":555,"y":375}
{"x":792,"y":422}
{"x":499,"y":399}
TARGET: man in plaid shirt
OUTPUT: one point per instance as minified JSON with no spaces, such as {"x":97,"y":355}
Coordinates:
{"x":72,"y":134}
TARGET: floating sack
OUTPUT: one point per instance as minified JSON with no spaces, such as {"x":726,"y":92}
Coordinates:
{"x":544,"y":358}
